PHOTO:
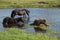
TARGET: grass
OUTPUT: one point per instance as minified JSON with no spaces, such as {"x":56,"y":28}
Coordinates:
{"x":19,"y":34}
{"x":28,"y":3}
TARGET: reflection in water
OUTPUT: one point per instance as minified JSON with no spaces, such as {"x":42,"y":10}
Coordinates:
{"x":3,"y":30}
{"x":30,"y":30}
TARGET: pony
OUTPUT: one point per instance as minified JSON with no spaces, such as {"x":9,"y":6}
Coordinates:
{"x":21,"y":12}
{"x":39,"y":22}
{"x":9,"y":22}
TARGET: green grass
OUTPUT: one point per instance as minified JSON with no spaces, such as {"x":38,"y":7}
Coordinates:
{"x":28,"y":3}
{"x":19,"y":34}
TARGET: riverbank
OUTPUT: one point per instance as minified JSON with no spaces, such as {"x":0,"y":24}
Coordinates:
{"x":29,"y":3}
{"x":19,"y":34}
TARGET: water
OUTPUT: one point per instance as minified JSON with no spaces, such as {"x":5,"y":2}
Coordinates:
{"x":52,"y":15}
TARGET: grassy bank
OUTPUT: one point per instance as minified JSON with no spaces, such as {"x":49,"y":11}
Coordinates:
{"x":29,"y":3}
{"x":18,"y":34}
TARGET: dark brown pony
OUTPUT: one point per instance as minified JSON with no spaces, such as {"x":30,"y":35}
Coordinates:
{"x":39,"y":22}
{"x":23,"y":12}
{"x":11,"y":22}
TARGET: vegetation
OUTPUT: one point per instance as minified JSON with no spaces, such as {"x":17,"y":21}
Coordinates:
{"x":19,"y":34}
{"x":29,"y":3}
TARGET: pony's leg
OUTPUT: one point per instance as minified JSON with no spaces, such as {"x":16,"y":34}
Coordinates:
{"x":25,"y":18}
